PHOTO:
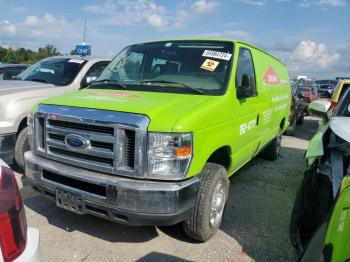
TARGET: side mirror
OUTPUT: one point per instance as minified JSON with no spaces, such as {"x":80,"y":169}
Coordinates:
{"x":248,"y":87}
{"x":90,"y":79}
{"x":320,"y":108}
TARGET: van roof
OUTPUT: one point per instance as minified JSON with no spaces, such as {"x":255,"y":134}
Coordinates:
{"x":216,"y":39}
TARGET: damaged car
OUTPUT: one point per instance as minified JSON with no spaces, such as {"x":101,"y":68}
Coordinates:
{"x":321,"y":207}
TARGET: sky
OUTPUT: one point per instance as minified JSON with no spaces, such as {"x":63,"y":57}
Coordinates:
{"x":312,"y":37}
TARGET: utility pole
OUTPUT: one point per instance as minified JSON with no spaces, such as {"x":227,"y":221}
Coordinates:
{"x":84,"y":31}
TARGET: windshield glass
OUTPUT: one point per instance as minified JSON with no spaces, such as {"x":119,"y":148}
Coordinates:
{"x":197,"y":67}
{"x":56,"y":71}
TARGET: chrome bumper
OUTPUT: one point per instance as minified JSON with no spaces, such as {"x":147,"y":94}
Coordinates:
{"x":7,"y":147}
{"x":130,"y":201}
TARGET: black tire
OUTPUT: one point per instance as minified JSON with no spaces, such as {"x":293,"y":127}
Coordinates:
{"x":272,"y":151}
{"x":197,"y":225}
{"x":291,"y":129}
{"x":295,"y":217}
{"x":313,"y":202}
{"x":300,"y":120}
{"x":22,"y":146}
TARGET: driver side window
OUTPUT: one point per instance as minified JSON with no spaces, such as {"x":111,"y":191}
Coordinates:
{"x":245,"y":75}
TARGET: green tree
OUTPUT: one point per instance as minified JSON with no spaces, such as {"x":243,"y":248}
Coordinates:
{"x":47,"y":51}
{"x":26,"y":56}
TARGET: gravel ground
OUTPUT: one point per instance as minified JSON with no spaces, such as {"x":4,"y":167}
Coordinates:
{"x":255,"y":224}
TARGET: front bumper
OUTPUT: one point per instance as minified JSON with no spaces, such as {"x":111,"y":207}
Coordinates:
{"x":7,"y":147}
{"x":124,"y":200}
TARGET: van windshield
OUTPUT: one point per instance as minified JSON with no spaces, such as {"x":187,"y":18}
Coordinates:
{"x":56,"y":71}
{"x":186,"y":67}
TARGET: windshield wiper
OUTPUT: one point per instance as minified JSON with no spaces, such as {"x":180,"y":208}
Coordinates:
{"x":108,"y":82}
{"x":194,"y":90}
{"x":38,"y":80}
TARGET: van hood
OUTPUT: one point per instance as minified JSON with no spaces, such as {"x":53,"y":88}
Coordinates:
{"x":19,"y":86}
{"x":163,"y":109}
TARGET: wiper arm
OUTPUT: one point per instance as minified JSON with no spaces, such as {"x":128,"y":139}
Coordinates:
{"x":194,"y":90}
{"x":38,"y":80}
{"x":108,"y":82}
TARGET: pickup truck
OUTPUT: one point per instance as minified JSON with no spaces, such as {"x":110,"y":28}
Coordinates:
{"x":49,"y":77}
{"x":155,"y":138}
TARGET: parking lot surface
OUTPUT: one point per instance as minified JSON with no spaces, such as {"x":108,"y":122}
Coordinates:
{"x":255,"y":224}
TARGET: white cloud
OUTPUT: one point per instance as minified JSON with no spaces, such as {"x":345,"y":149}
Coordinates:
{"x":7,"y":27}
{"x":204,"y":6}
{"x":47,"y":20}
{"x":130,"y":12}
{"x":308,"y":3}
{"x":252,"y":2}
{"x":35,"y":31}
{"x":310,"y":58}
{"x":157,"y":21}
{"x":311,"y":52}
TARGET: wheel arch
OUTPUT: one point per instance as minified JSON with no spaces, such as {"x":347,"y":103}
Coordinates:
{"x":221,"y":156}
{"x":22,"y":124}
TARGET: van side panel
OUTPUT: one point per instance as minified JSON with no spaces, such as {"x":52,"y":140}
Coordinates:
{"x":274,"y":89}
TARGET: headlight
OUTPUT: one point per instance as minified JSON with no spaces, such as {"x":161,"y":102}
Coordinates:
{"x":169,"y":155}
{"x":30,"y":123}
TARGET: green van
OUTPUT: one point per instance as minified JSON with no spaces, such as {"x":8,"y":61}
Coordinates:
{"x":155,"y":138}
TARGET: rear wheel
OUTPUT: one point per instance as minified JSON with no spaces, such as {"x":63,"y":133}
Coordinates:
{"x":300,"y":120}
{"x":291,"y":129}
{"x":272,"y":151}
{"x":205,"y":218}
{"x":22,"y":146}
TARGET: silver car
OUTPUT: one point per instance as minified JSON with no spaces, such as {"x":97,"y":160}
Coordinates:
{"x":49,"y":77}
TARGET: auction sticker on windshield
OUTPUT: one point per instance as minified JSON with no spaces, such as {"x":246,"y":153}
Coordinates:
{"x":210,"y":65}
{"x":217,"y":54}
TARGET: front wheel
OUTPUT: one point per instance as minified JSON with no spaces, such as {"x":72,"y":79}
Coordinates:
{"x":22,"y":146}
{"x":205,"y":218}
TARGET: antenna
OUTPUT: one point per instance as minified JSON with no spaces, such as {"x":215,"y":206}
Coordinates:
{"x":85,"y":30}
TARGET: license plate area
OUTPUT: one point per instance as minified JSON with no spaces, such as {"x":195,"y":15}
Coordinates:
{"x":69,"y":201}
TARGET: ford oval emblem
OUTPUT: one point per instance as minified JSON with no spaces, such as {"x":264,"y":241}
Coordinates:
{"x":76,"y":142}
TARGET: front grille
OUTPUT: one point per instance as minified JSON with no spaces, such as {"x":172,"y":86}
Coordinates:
{"x":79,"y":156}
{"x":108,"y":147}
{"x":82,"y":127}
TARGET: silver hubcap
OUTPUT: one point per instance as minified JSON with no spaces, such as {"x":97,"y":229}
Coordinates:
{"x":217,"y":203}
{"x":279,"y":139}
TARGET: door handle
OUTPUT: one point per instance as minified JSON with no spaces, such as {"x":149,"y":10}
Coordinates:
{"x":257,"y":120}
